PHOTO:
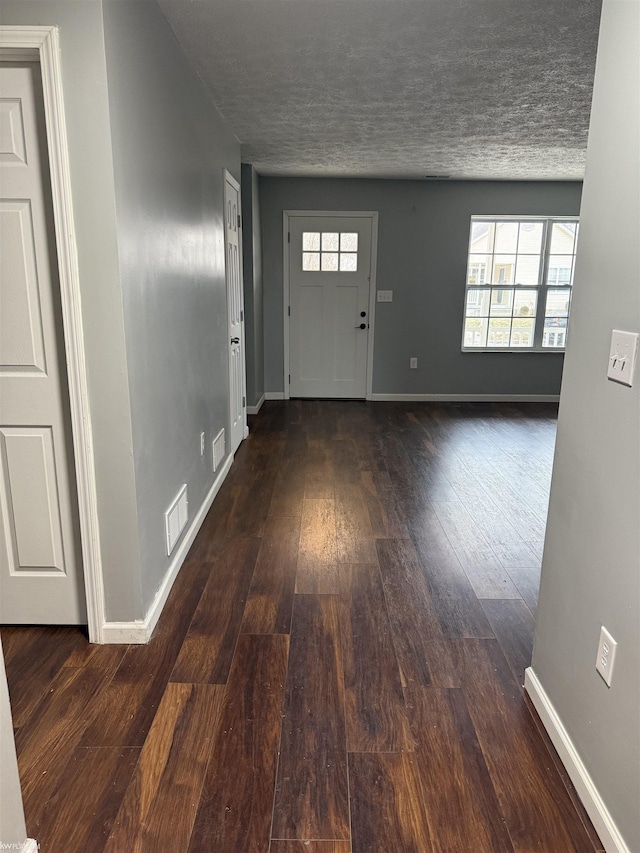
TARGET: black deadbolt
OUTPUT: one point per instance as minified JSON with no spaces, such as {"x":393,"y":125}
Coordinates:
{"x":363,"y":313}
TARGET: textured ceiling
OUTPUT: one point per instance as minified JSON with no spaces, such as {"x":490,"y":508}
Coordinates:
{"x":399,"y":88}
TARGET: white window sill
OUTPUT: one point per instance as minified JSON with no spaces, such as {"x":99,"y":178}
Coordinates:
{"x":546,"y":350}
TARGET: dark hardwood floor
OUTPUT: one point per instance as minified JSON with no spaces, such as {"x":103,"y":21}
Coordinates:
{"x":338,"y":668}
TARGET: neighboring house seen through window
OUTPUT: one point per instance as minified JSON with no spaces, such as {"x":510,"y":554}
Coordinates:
{"x":519,"y":281}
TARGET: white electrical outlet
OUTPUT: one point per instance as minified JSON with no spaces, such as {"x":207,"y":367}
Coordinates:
{"x":606,"y":655}
{"x":385,"y":296}
{"x":623,"y":356}
{"x":413,"y":363}
{"x":201,"y":444}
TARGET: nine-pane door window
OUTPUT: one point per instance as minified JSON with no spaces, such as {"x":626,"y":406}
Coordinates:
{"x":329,"y":251}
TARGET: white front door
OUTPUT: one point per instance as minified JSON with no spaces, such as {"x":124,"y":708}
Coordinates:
{"x":329,"y":275}
{"x":235,"y":308}
{"x":41,"y":578}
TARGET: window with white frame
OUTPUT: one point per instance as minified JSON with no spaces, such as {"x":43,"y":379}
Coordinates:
{"x":519,"y":282}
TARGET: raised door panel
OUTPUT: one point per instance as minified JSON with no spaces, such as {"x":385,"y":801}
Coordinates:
{"x":236,"y":386}
{"x":347,"y":339}
{"x":12,"y":142}
{"x":21,"y":338}
{"x":29,"y":499}
{"x":310,"y":307}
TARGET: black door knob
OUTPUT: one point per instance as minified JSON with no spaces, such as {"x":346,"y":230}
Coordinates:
{"x":361,"y":326}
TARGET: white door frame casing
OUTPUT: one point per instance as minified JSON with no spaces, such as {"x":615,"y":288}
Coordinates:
{"x":361,"y":214}
{"x":41,"y":44}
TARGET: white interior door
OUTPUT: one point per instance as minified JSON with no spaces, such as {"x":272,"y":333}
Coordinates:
{"x":329,"y":276}
{"x":235,"y":307}
{"x":41,"y":579}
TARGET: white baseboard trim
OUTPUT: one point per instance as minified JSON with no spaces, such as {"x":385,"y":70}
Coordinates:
{"x":253,"y":410}
{"x":30,"y":846}
{"x":140,"y":630}
{"x":466,"y":398}
{"x":610,"y":836}
{"x":125,"y":633}
{"x":274,"y":395}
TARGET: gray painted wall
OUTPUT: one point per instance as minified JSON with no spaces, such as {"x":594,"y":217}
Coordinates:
{"x":169,"y":148}
{"x":591,"y":567}
{"x":87,"y":118}
{"x":252,"y":271}
{"x":147,"y":149}
{"x":422,"y":249}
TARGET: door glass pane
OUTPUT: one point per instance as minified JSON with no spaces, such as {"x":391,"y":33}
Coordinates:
{"x":310,"y":241}
{"x":329,"y":261}
{"x":330,"y":241}
{"x":348,"y":262}
{"x":310,"y":261}
{"x":348,"y":242}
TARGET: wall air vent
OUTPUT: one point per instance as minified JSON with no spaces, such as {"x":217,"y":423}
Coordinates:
{"x":218,"y":449}
{"x":175,"y":518}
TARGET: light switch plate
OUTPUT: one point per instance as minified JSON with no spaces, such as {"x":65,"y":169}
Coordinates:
{"x":385,"y":296}
{"x":623,"y":356}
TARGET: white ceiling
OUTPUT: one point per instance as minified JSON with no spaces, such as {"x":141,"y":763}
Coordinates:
{"x":399,"y":88}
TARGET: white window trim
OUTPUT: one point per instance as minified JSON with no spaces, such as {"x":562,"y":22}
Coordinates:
{"x":541,"y":288}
